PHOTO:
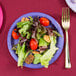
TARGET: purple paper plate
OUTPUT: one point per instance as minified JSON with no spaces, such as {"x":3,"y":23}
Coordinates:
{"x":53,"y":23}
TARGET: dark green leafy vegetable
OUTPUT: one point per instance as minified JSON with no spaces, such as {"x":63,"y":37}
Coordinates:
{"x":15,"y":45}
{"x":21,"y":24}
{"x":36,"y":59}
{"x":38,"y":36}
{"x":31,"y":19}
{"x":14,"y":48}
{"x":48,"y":55}
{"x":18,"y":49}
{"x":42,"y":42}
{"x":19,"y":39}
{"x":55,"y":32}
{"x":28,"y":35}
{"x":23,"y":30}
{"x":40,"y":31}
{"x":21,"y":54}
{"x":26,"y":54}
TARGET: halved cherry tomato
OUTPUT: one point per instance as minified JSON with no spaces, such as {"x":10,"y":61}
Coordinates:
{"x":15,"y":35}
{"x":33,"y":44}
{"x":44,"y":21}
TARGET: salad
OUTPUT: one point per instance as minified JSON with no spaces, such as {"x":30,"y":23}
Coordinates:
{"x":37,"y":44}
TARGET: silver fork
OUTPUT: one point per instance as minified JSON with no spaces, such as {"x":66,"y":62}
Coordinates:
{"x":66,"y":26}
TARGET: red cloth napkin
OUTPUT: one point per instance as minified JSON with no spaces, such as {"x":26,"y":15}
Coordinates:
{"x":12,"y":10}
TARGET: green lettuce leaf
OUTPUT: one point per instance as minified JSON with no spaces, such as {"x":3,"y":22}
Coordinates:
{"x":23,"y":30}
{"x":38,"y":36}
{"x":42,"y":42}
{"x":28,"y":35}
{"x":26,"y":54}
{"x":21,"y":24}
{"x":21,"y":54}
{"x":18,"y":49}
{"x":36,"y":59}
{"x":31,"y":19}
{"x":55,"y":32}
{"x":47,"y":56}
{"x":40,"y":31}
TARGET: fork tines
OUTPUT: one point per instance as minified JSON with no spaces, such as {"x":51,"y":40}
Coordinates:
{"x":65,"y":14}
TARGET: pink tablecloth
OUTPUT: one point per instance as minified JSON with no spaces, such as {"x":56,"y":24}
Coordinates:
{"x":12,"y":10}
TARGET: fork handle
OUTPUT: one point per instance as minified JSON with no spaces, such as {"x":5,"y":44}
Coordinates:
{"x":67,"y":57}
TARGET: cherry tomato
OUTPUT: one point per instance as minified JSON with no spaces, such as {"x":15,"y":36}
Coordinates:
{"x":44,"y":21}
{"x":15,"y":35}
{"x":33,"y":44}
